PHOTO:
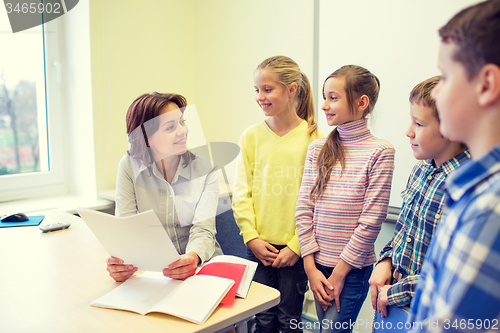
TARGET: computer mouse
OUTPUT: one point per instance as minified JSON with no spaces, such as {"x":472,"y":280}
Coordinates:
{"x":18,"y":217}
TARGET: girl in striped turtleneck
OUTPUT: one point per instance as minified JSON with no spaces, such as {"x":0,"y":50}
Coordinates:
{"x":343,"y":199}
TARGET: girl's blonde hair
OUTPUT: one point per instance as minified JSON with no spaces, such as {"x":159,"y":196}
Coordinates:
{"x":358,"y":82}
{"x":287,"y":72}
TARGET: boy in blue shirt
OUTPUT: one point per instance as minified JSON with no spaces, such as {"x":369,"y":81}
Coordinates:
{"x":396,"y":274}
{"x":459,"y":285}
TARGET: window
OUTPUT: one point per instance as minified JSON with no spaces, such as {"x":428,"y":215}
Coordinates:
{"x":30,"y":118}
{"x":23,"y":126}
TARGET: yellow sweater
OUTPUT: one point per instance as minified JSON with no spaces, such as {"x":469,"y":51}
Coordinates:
{"x":267,"y":183}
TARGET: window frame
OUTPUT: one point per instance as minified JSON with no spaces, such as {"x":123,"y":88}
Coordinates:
{"x":53,"y":181}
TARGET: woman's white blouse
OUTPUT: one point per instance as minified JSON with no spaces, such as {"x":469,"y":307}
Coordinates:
{"x":186,"y":207}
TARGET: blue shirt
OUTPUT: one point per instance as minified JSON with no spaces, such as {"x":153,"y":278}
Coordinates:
{"x":459,"y":286}
{"x":423,"y":202}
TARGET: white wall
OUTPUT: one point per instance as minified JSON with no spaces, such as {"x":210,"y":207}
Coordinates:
{"x":398,"y":42}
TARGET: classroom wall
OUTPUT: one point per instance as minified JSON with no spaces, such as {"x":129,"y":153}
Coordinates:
{"x":136,"y":47}
{"x":205,"y":50}
{"x":208,"y":50}
{"x":232,"y":38}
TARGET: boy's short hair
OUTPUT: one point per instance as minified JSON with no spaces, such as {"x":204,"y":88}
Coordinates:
{"x":421,"y":94}
{"x":475,"y":31}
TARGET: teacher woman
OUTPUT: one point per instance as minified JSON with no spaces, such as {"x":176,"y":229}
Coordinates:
{"x":159,"y":173}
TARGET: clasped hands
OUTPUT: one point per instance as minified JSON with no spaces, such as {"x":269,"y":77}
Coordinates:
{"x":180,"y":269}
{"x":270,"y":256}
{"x":327,"y":290}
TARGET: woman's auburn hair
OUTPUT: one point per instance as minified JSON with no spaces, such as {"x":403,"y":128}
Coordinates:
{"x":142,"y":122}
{"x":358,"y":82}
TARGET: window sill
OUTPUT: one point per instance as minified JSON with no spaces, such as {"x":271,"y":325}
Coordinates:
{"x":66,"y":203}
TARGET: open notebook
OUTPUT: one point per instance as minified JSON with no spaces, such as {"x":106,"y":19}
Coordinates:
{"x":193,"y":299}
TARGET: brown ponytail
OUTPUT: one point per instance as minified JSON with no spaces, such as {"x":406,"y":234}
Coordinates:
{"x":358,"y":82}
{"x":287,"y":72}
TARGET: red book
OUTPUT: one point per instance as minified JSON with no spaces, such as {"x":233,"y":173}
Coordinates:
{"x":226,"y":270}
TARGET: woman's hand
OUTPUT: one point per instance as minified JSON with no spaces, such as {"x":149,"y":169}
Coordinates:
{"x":183,"y":268}
{"x":381,"y":276}
{"x":118,"y":271}
{"x":264,"y":251}
{"x":286,"y":257}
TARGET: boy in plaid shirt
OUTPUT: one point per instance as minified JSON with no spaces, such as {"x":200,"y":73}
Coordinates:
{"x":397,"y":272}
{"x":459,"y":286}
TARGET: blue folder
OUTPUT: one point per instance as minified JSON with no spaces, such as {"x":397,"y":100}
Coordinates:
{"x":394,"y":322}
{"x":33,"y":220}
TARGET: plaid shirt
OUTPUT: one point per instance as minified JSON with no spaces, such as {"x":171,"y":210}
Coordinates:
{"x":459,"y":287}
{"x":423,"y":200}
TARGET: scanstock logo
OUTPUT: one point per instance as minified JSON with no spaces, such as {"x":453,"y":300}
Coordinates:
{"x":26,"y":14}
{"x":222,"y":153}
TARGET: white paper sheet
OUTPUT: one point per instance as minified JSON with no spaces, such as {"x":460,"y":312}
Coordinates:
{"x":139,"y":240}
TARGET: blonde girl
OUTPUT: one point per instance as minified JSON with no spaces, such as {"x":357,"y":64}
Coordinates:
{"x":343,"y":199}
{"x":267,"y":182}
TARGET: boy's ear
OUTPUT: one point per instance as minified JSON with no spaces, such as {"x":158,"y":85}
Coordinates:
{"x":489,"y":85}
{"x":363,"y":103}
{"x":292,"y":89}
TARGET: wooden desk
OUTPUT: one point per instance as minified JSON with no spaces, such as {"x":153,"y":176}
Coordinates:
{"x":47,"y":282}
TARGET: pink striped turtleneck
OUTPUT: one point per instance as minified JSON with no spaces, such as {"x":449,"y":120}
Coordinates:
{"x":344,"y":222}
